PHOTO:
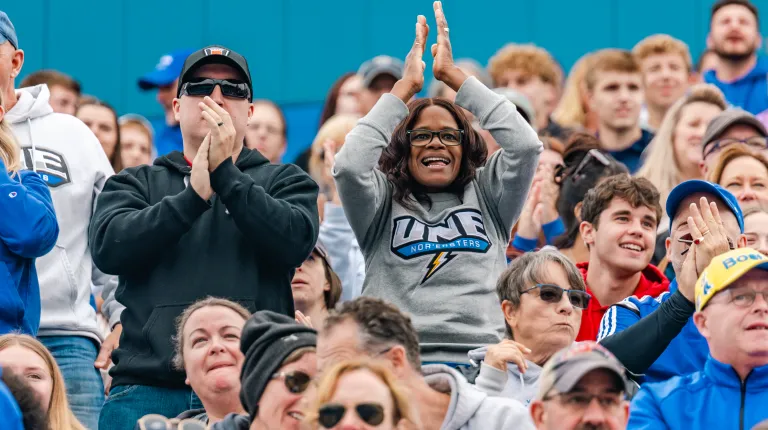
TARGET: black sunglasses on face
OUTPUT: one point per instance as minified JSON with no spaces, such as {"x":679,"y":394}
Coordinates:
{"x":204,"y":87}
{"x":448,"y":137}
{"x":552,"y":294}
{"x":296,"y":382}
{"x":754,"y":142}
{"x":331,"y":414}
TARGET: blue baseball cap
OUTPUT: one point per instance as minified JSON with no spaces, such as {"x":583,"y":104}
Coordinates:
{"x":166,"y":71}
{"x":7,"y":31}
{"x":685,"y":189}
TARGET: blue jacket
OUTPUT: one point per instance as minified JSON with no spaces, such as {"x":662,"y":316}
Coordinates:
{"x":750,"y":92}
{"x":632,"y":157}
{"x":28,"y":229}
{"x":714,"y":398}
{"x":687,"y":352}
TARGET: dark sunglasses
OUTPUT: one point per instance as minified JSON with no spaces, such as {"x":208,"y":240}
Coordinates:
{"x":592,"y":155}
{"x":296,"y":382}
{"x":448,"y":137}
{"x":204,"y":87}
{"x":159,"y":422}
{"x":552,"y":294}
{"x":331,"y":414}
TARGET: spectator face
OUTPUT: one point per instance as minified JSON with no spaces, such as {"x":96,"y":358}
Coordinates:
{"x":32,"y":368}
{"x":571,"y":411}
{"x":102,"y":123}
{"x":338,"y":344}
{"x":690,"y":128}
{"x":435,"y":165}
{"x":279,"y":408}
{"x":212,"y":356}
{"x":135,"y":146}
{"x":187,"y":110}
{"x":550,"y":158}
{"x":533,"y":87}
{"x":665,"y":78}
{"x":309,"y":283}
{"x":747,"y":179}
{"x":737,"y":335}
{"x":756,"y":231}
{"x":369,"y":96}
{"x":348,"y":101}
{"x":733,"y":33}
{"x":266,"y":132}
{"x":681,"y":230}
{"x":361,"y":387}
{"x":166,"y":94}
{"x":616,"y":99}
{"x":63,"y":100}
{"x":624,"y":237}
{"x":11,"y":61}
{"x":735,"y":132}
{"x":544,"y":326}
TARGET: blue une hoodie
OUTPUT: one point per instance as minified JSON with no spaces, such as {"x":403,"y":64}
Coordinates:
{"x":28,"y":229}
{"x":749,"y":92}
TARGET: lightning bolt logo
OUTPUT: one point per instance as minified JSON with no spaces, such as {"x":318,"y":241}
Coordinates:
{"x":437,"y":263}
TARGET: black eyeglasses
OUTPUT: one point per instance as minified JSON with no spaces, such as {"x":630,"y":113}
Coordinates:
{"x":331,"y":414}
{"x":204,"y":87}
{"x":755,"y":142}
{"x":296,"y":382}
{"x":688,"y":240}
{"x":592,"y":155}
{"x":448,"y":137}
{"x":552,"y":294}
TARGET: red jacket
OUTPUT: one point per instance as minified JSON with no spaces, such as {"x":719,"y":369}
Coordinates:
{"x":652,"y":283}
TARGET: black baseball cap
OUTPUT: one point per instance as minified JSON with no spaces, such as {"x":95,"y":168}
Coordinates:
{"x":214,"y":54}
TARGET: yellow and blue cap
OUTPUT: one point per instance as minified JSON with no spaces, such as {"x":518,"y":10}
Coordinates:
{"x":724,"y":270}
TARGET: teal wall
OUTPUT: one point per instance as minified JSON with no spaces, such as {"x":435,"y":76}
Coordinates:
{"x":297,"y":48}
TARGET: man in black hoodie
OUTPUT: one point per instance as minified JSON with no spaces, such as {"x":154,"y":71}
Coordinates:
{"x":215,"y":220}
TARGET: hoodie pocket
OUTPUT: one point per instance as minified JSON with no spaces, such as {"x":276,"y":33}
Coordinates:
{"x":71,"y":291}
{"x":159,"y":333}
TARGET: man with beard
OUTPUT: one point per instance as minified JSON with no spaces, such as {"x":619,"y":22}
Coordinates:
{"x":735,"y":38}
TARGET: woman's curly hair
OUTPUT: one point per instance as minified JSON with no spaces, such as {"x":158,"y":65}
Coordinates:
{"x":394,"y":159}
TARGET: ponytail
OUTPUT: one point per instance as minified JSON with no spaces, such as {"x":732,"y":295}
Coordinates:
{"x":10,"y":154}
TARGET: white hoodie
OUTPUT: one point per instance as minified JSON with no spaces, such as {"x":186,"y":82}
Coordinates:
{"x":470,"y":408}
{"x":69,"y":158}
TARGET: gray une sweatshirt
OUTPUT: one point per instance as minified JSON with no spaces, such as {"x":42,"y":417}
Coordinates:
{"x":440,"y":263}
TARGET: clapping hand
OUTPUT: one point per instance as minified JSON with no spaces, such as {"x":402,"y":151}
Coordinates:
{"x":222,"y":132}
{"x":413,"y":74}
{"x":443,"y":67}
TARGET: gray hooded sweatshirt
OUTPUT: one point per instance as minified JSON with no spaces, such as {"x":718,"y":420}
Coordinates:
{"x":511,"y":384}
{"x":70,"y":159}
{"x":470,"y":408}
{"x":439,"y":263}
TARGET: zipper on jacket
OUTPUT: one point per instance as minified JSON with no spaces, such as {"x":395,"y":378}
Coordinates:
{"x":743,"y":399}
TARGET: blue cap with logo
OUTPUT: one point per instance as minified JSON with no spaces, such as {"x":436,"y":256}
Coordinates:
{"x":685,"y":189}
{"x":7,"y":31}
{"x":166,"y":71}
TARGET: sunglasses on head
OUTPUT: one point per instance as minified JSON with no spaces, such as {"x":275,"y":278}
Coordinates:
{"x":296,"y":382}
{"x":205,"y":86}
{"x":331,"y":414}
{"x":592,"y":155}
{"x":159,"y":422}
{"x":552,"y":294}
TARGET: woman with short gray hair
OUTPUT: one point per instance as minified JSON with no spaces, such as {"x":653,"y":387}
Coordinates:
{"x":542,"y":295}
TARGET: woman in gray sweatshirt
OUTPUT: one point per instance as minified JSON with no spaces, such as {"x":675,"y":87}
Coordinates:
{"x":433,"y":220}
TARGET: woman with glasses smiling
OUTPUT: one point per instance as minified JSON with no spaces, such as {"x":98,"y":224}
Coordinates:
{"x":542,"y":297}
{"x":433,"y":220}
{"x":361,"y":395}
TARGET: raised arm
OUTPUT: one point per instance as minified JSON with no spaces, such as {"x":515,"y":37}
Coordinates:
{"x":28,"y":225}
{"x":364,"y":189}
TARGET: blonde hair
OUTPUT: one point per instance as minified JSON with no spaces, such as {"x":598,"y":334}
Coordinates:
{"x":328,"y":384}
{"x":661,"y":165}
{"x":729,"y":154}
{"x":658,"y":44}
{"x":336,"y":129}
{"x":10,"y":152}
{"x":530,"y":59}
{"x":610,"y":60}
{"x":60,"y":416}
{"x":571,"y":111}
